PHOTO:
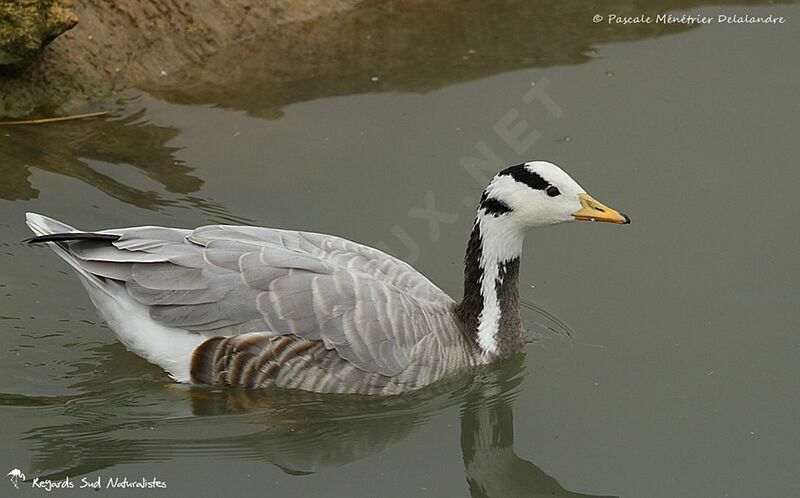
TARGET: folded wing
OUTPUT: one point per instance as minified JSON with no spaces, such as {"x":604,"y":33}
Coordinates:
{"x":371,"y":308}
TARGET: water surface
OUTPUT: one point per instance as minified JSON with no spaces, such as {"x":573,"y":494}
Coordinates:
{"x":663,"y":356}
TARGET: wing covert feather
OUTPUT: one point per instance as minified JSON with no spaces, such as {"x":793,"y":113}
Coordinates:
{"x":371,"y":308}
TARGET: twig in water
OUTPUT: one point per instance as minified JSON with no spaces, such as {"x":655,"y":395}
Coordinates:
{"x":56,"y":119}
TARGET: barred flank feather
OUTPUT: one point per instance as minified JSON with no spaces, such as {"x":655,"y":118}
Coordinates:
{"x":269,"y":360}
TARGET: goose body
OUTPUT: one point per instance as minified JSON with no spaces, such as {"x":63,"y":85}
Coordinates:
{"x":253,"y":307}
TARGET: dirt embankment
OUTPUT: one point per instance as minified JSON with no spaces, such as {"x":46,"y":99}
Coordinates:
{"x":122,"y":42}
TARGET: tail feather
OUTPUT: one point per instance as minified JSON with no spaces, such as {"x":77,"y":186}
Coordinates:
{"x":42,"y":225}
{"x":52,"y":232}
{"x":65,"y":237}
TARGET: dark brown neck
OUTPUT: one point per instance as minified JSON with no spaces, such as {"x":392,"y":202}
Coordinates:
{"x":509,"y":335}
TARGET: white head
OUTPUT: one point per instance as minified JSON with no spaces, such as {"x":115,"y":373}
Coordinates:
{"x":539,"y":193}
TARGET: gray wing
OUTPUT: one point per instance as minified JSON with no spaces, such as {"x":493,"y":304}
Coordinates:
{"x":371,"y":308}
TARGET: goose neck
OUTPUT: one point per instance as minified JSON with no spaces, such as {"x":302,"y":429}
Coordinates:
{"x":489,"y":311}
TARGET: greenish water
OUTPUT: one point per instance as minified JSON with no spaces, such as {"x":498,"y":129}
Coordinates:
{"x":663,"y":356}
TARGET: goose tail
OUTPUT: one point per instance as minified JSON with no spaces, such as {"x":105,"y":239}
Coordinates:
{"x":42,"y":225}
{"x":168,"y":347}
{"x":50,"y":231}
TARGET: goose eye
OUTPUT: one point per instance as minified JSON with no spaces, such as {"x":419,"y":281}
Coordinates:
{"x":553,"y":191}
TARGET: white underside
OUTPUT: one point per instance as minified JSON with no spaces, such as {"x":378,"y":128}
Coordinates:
{"x":168,"y":347}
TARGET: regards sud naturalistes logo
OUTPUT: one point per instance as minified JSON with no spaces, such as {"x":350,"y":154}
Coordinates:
{"x":17,"y":477}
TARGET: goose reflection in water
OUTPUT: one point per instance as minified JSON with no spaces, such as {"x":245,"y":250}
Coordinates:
{"x":301,"y":433}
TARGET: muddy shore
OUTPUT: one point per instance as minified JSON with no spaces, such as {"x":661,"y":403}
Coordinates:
{"x":120,"y":43}
{"x":278,"y":52}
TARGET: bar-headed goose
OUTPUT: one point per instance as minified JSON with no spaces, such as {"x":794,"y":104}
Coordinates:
{"x":249,"y":306}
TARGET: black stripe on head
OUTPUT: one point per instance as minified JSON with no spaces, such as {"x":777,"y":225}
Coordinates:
{"x":493,"y":206}
{"x":521,"y":174}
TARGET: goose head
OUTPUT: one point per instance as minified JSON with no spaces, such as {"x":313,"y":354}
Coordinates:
{"x":528,"y":195}
{"x":539,"y":193}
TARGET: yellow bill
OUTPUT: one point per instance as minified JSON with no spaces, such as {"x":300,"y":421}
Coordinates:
{"x":594,"y":210}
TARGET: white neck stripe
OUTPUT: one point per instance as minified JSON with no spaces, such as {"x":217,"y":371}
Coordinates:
{"x":501,"y":241}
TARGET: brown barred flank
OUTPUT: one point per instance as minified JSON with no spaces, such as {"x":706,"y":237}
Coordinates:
{"x":204,"y":360}
{"x":250,"y":360}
